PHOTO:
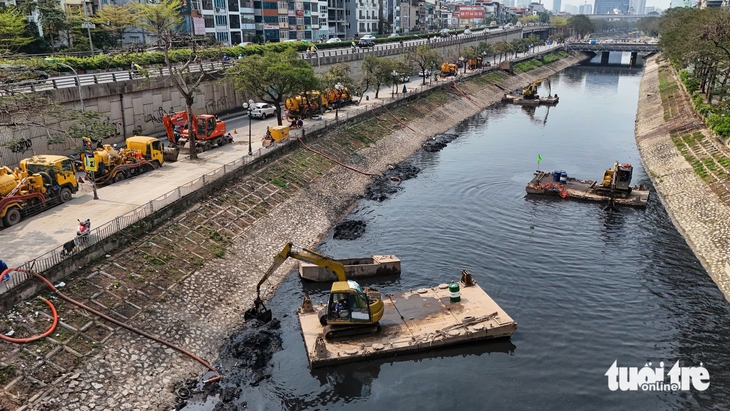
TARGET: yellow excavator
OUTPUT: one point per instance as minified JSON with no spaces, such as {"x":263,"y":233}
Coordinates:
{"x":530,"y":91}
{"x":350,"y":310}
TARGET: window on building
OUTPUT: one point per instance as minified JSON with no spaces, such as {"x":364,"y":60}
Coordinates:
{"x":292,"y":21}
{"x":135,"y":39}
{"x":221,"y":4}
{"x":322,"y":9}
{"x":308,"y":35}
{"x":222,"y":37}
{"x":306,"y":7}
{"x":362,"y":27}
{"x":221,"y":20}
{"x":307,"y":21}
{"x":271,"y":19}
{"x":315,"y":20}
{"x":209,"y":23}
{"x":233,"y":5}
{"x":248,"y":19}
{"x":207,"y":4}
{"x":283,"y":19}
{"x":258,"y":19}
{"x":268,"y":5}
{"x":283,"y":5}
{"x":257,"y":5}
{"x":235,"y":22}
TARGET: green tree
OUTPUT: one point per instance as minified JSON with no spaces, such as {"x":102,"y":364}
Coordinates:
{"x":485,"y":49}
{"x":337,"y":74}
{"x":502,"y":48}
{"x":161,"y":18}
{"x":544,"y":17}
{"x":273,"y":77}
{"x":116,"y":20}
{"x":425,"y":58}
{"x":12,"y":30}
{"x":52,"y":19}
{"x":649,"y":26}
{"x":581,"y":24}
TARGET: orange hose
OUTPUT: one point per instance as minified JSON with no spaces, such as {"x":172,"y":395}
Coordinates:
{"x":335,"y":161}
{"x":117,"y":322}
{"x":467,"y":97}
{"x":37,"y":337}
{"x":396,"y":179}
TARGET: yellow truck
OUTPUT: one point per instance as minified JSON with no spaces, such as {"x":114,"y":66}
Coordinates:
{"x":142,"y":154}
{"x":41,"y":182}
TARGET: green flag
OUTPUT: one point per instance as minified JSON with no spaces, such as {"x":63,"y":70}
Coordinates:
{"x":539,"y":159}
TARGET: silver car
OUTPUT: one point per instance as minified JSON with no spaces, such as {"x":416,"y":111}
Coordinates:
{"x":262,"y":110}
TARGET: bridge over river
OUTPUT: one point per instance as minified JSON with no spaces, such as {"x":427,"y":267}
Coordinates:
{"x":606,"y":48}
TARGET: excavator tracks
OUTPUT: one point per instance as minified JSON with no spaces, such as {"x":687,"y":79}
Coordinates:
{"x":334,"y":332}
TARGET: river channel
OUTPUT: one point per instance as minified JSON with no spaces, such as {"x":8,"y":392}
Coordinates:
{"x":586,"y":286}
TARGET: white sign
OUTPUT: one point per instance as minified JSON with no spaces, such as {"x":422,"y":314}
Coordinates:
{"x":199,"y":26}
{"x":88,"y":25}
{"x":653,"y":379}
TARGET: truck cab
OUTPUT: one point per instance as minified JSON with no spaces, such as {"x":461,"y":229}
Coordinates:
{"x":150,"y":147}
{"x":60,"y":168}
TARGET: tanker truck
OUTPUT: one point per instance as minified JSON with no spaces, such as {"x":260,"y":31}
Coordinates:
{"x":41,"y":182}
{"x":142,"y":154}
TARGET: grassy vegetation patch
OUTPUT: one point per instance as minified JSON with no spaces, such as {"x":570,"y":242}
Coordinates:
{"x":527,"y":65}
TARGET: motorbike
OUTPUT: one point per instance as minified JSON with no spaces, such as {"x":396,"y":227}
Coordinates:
{"x":82,"y":232}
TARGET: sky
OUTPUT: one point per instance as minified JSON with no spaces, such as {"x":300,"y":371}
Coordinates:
{"x":662,"y":4}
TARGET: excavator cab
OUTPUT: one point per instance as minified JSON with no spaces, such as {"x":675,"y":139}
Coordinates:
{"x":350,"y":309}
{"x":623,"y":176}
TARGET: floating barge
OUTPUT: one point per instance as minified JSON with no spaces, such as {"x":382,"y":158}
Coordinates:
{"x":354,"y":268}
{"x":414,"y":321}
{"x":540,"y":101}
{"x":572,"y":188}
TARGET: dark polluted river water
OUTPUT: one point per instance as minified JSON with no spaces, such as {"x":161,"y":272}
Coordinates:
{"x":587,"y":287}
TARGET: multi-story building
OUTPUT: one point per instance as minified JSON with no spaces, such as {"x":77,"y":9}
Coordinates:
{"x":406,"y":17}
{"x":303,"y":20}
{"x":587,"y":8}
{"x":323,"y":21}
{"x":363,"y":17}
{"x":556,"y":6}
{"x":612,"y":6}
{"x":336,"y":18}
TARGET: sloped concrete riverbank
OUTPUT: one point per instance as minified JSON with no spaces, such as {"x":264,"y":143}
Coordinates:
{"x":698,"y":207}
{"x":190,"y":281}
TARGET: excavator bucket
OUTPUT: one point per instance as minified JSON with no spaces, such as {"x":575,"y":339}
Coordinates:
{"x":259,"y":312}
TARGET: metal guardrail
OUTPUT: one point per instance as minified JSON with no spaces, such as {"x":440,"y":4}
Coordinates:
{"x":69,"y":80}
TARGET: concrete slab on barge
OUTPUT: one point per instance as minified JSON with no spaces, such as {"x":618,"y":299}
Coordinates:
{"x":413,"y":321}
{"x":354,"y":268}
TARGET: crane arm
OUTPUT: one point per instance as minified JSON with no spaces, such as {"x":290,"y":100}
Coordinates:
{"x":303,"y":254}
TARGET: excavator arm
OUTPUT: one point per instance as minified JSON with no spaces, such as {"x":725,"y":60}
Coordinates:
{"x":302,"y":254}
{"x":530,"y":90}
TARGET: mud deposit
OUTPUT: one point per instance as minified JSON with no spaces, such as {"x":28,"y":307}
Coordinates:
{"x":246,"y":359}
{"x":383,"y":187}
{"x":349,"y":230}
{"x":437,"y":143}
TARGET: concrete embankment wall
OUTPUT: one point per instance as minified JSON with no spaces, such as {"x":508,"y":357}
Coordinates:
{"x":137,"y":106}
{"x":697,"y":212}
{"x":206,"y":306}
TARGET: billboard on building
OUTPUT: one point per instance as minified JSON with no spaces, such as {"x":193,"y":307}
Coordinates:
{"x":199,"y":26}
{"x":471,"y":12}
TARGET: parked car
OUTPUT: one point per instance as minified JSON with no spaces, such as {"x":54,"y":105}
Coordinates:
{"x":403,"y":77}
{"x":445,"y":33}
{"x":262,"y":110}
{"x":366,"y":43}
{"x":334,"y":40}
{"x":393,"y":35}
{"x":467,"y":31}
{"x":367,"y":37}
{"x":424,"y":73}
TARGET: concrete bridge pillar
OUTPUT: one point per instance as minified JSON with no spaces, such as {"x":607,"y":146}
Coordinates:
{"x":634,"y":57}
{"x":604,"y":57}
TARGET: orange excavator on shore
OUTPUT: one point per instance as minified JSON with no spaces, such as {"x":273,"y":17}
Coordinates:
{"x":208,"y":130}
